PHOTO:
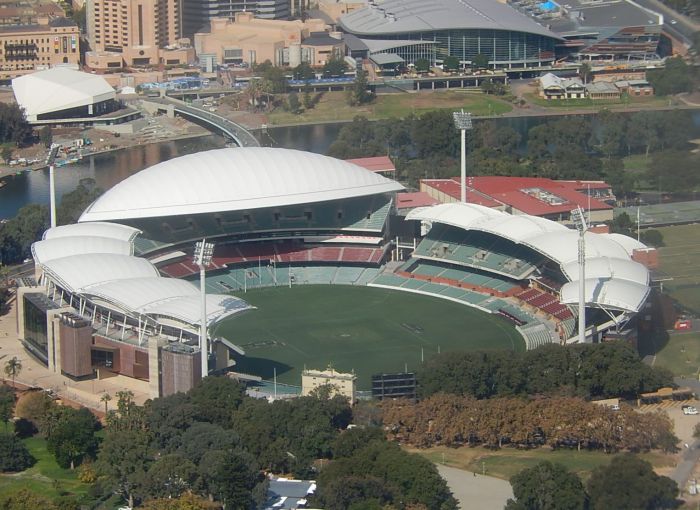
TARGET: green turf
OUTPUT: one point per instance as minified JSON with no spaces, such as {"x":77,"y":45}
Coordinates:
{"x":45,"y":477}
{"x":681,"y":354}
{"x":680,"y":260}
{"x":364,"y":329}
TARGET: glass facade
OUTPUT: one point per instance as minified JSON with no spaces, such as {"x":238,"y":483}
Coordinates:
{"x":36,"y":335}
{"x":503,"y":48}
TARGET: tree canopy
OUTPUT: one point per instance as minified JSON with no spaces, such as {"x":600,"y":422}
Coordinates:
{"x":14,"y":455}
{"x":547,"y":486}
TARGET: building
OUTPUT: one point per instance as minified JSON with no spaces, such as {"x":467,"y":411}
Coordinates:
{"x":603,"y":90}
{"x":285,"y":494}
{"x":198,"y":14}
{"x":379,"y":164}
{"x":621,"y":30}
{"x":536,"y":196}
{"x":41,"y":45}
{"x":96,"y":309}
{"x":29,"y":13}
{"x":339,"y":383}
{"x":140,"y":33}
{"x":552,"y":86}
{"x":253,"y":40}
{"x":635,"y":88}
{"x":61,"y":95}
{"x":435,"y":29}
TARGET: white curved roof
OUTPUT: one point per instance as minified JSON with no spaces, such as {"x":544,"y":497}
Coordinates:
{"x":607,"y":255}
{"x":57,"y":89}
{"x":628,"y":243}
{"x":408,"y":16}
{"x":186,"y":309}
{"x":235,"y":179}
{"x":50,"y":249}
{"x":94,"y":229}
{"x":609,"y":268}
{"x":79,"y":272}
{"x":619,"y":294}
{"x":136,"y":294}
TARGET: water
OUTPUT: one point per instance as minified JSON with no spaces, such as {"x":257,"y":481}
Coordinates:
{"x":110,"y":168}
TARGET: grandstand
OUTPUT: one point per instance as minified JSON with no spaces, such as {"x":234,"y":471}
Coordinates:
{"x":522,"y":268}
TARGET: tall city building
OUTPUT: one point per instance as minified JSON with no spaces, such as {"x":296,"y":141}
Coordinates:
{"x":196,"y":14}
{"x":40,"y":45}
{"x":136,"y":29}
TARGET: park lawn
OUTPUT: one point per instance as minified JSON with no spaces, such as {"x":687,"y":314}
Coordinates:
{"x":681,"y":354}
{"x":45,"y":477}
{"x":333,"y":106}
{"x":586,"y":103}
{"x":507,"y":462}
{"x":362,"y":329}
{"x":680,"y":260}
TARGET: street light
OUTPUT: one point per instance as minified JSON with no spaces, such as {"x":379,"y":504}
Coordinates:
{"x":579,"y":220}
{"x":463,"y":122}
{"x":203,"y":252}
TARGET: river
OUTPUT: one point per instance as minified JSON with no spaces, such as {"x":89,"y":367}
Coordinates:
{"x":107,"y":169}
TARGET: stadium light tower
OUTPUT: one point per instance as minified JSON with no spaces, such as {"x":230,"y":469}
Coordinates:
{"x":579,"y":220}
{"x":203,"y":252}
{"x":52,"y":181}
{"x":463,"y":122}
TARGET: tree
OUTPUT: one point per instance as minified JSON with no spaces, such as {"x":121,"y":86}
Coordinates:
{"x":450,"y":63}
{"x":170,"y":477}
{"x":105,"y":398}
{"x":18,"y":234}
{"x":34,"y":406}
{"x":13,"y":367}
{"x":216,"y":398}
{"x":652,"y":237}
{"x":6,"y":153}
{"x":73,"y":437}
{"x":629,"y":482}
{"x":14,"y":127}
{"x":547,"y":486}
{"x":26,"y":499}
{"x":123,"y":459}
{"x":335,"y":67}
{"x":358,"y":94}
{"x":80,"y":17}
{"x":274,"y":80}
{"x":422,"y":65}
{"x":303,"y":72}
{"x":585,"y":72}
{"x":75,"y":202}
{"x":228,"y":477}
{"x":7,"y":404}
{"x":46,"y":136}
{"x":480,"y":61}
{"x":673,"y":78}
{"x":14,"y":455}
{"x":187,"y":501}
{"x":293,"y":103}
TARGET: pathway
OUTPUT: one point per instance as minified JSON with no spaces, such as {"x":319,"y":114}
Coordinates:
{"x":475,"y":491}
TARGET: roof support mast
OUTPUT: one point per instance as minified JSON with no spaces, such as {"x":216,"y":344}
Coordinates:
{"x":580,"y":221}
{"x":203,"y":252}
{"x":463,"y":122}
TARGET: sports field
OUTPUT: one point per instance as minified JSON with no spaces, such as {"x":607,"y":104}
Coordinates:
{"x":364,"y":329}
{"x":680,"y":260}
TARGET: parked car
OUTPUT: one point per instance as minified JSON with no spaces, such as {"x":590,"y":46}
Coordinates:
{"x":689,"y":410}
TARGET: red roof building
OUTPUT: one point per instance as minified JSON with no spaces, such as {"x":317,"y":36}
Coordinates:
{"x":536,"y":196}
{"x":413,"y":200}
{"x":378,"y":164}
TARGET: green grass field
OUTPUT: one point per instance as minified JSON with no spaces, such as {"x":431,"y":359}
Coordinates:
{"x":333,"y":106}
{"x":507,"y":462}
{"x":45,"y":477}
{"x":680,"y":260}
{"x":681,"y":354}
{"x":364,"y":329}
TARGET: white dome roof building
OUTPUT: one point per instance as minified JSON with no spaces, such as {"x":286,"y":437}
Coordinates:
{"x":255,"y":189}
{"x":63,"y":93}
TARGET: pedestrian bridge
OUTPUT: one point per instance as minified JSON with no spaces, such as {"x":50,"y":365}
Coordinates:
{"x":240,"y":135}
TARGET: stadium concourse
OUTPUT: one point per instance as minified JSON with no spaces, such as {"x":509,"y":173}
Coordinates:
{"x":115,"y":283}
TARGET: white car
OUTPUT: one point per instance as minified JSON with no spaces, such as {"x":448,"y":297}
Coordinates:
{"x":689,"y":410}
{"x":673,"y":22}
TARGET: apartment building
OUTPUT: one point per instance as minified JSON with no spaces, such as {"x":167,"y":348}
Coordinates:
{"x":36,"y":46}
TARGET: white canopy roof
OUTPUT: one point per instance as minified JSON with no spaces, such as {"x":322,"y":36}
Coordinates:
{"x":628,"y":243}
{"x":95,"y":229}
{"x":235,"y":179}
{"x":618,"y":294}
{"x":57,"y":89}
{"x":49,"y":249}
{"x":186,"y":309}
{"x":79,"y":272}
{"x":607,"y":255}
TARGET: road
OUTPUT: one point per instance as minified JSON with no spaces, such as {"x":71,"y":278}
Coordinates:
{"x":476,"y":492}
{"x":683,"y":29}
{"x":691,"y":455}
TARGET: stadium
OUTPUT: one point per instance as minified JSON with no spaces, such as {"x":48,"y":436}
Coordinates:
{"x":286,"y":223}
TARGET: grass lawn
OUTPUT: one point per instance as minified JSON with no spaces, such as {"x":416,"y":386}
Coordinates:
{"x":681,"y":354}
{"x":680,"y":260}
{"x":364,"y":329}
{"x":587,"y":103}
{"x":45,"y":477}
{"x":333,"y":106}
{"x":507,"y":462}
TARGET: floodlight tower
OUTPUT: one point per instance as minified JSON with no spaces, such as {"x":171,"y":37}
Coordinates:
{"x":580,"y":221}
{"x":203,"y":252}
{"x":52,"y":181}
{"x":463,"y":122}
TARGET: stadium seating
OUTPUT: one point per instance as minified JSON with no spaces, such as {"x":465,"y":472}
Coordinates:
{"x":536,"y":335}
